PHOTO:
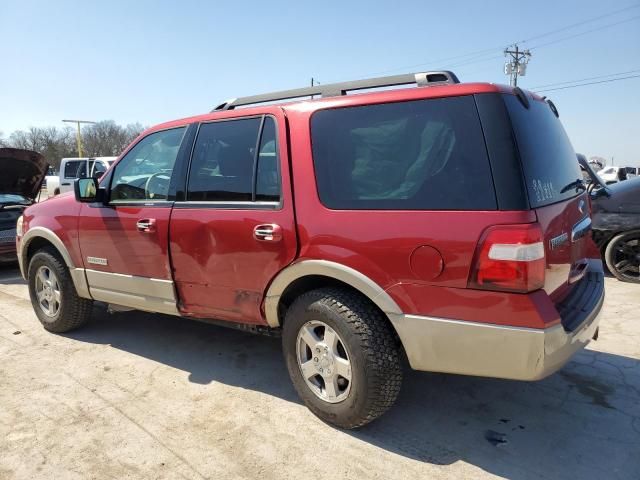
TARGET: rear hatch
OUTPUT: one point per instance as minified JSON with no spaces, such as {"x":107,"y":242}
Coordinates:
{"x":555,"y":190}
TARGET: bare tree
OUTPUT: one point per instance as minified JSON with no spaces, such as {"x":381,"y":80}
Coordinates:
{"x":104,"y":138}
{"x":107,"y":138}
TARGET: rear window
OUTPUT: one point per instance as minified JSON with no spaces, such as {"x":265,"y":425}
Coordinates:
{"x":548,"y":159}
{"x":418,"y":155}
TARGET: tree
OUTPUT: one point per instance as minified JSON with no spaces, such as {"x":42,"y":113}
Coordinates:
{"x":106,"y":138}
{"x":102,"y":139}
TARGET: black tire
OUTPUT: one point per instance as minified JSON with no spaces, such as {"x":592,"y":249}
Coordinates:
{"x":374,"y":354}
{"x":624,"y":249}
{"x":73,"y":311}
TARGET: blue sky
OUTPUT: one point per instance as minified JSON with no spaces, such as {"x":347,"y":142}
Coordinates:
{"x":150,"y":61}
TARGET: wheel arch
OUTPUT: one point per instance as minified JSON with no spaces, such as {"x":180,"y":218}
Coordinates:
{"x":37,"y":238}
{"x":310,"y":274}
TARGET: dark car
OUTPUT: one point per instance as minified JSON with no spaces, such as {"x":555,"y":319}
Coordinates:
{"x":22,"y":175}
{"x":616,"y":223}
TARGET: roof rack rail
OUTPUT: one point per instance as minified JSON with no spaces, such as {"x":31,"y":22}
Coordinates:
{"x":421,"y":79}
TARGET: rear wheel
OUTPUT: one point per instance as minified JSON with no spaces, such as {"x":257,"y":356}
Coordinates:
{"x":343,"y":357}
{"x":53,"y":295}
{"x":623,"y":256}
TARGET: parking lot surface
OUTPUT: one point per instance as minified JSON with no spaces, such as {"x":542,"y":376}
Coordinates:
{"x":135,"y":395}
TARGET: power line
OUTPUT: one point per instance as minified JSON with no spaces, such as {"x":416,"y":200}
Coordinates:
{"x":589,"y":83}
{"x":478,"y":56}
{"x":471,"y":54}
{"x":583,"y":22}
{"x":585,"y":32}
{"x":462,"y":64}
{"x":585,"y":79}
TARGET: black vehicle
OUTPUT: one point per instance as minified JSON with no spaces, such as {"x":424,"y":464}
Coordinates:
{"x":22,"y":174}
{"x":616,"y":223}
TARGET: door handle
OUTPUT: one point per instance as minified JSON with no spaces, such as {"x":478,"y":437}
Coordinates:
{"x":146,"y":225}
{"x":268,"y":232}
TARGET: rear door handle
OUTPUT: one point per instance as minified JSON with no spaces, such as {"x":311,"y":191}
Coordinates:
{"x":146,"y":225}
{"x":268,"y":232}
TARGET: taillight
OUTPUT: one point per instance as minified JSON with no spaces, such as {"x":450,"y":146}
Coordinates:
{"x":509,"y":258}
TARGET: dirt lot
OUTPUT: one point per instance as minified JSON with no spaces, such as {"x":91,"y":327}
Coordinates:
{"x":148,"y":396}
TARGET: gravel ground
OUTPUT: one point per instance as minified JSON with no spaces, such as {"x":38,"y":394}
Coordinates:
{"x":142,"y":396}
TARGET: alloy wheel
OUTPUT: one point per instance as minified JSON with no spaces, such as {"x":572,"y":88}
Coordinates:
{"x":324,"y":361}
{"x":48,"y":291}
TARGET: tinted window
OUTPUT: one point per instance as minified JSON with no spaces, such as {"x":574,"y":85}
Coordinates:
{"x":548,"y":159}
{"x":145,"y":171}
{"x":419,"y":155}
{"x":267,"y":176}
{"x":223,"y":161}
{"x":226,"y":167}
{"x":73,"y":168}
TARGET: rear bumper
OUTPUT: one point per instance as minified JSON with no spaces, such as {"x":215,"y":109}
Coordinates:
{"x":483,"y":349}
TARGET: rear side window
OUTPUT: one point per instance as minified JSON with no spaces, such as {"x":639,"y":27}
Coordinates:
{"x":418,"y":155}
{"x":548,"y":160}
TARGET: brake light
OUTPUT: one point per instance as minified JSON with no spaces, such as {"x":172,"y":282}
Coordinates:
{"x":509,"y":258}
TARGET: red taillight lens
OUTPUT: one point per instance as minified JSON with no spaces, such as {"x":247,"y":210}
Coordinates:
{"x":510,"y":258}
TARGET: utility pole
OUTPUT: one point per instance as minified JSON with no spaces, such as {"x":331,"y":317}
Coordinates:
{"x":78,"y":138}
{"x":516,"y":63}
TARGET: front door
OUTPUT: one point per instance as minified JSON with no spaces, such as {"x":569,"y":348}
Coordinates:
{"x":124,"y":244}
{"x":235,"y":229}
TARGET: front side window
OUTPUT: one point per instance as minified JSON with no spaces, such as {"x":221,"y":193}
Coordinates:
{"x":144,"y":173}
{"x":226,"y":166}
{"x":417,"y":155}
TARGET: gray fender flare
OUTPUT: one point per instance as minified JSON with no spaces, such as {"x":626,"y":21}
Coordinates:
{"x":345,"y":274}
{"x":77,"y":274}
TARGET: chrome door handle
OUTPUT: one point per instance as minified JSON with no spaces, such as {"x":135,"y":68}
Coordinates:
{"x":146,"y":225}
{"x":268,"y":232}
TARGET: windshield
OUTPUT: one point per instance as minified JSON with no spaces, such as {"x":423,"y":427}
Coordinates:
{"x":11,"y":199}
{"x":548,"y":159}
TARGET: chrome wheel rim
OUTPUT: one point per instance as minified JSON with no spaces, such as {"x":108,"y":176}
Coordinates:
{"x":626,"y":259}
{"x":47,"y":291}
{"x":324,"y":361}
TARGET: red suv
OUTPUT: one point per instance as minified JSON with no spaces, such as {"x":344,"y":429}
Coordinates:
{"x":444,"y":224}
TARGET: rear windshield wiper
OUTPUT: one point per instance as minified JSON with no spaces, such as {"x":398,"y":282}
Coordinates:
{"x":578,"y":185}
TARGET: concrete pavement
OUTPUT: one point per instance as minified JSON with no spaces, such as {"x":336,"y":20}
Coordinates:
{"x":141,"y":396}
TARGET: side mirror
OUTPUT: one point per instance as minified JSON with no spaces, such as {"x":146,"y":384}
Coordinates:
{"x":87,"y":190}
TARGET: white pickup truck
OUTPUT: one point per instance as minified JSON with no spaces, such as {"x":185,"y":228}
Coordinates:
{"x":72,"y":168}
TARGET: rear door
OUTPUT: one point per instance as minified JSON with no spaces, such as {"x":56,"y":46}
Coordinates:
{"x":552,"y":175}
{"x":234,"y":230}
{"x":124,"y":244}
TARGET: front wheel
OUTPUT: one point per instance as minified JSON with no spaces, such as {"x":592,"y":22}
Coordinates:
{"x":53,"y":294}
{"x":343,"y":356}
{"x":623,"y":256}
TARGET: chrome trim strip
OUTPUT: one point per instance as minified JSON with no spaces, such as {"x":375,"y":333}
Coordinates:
{"x":141,"y":293}
{"x":581,"y":228}
{"x":325,"y":268}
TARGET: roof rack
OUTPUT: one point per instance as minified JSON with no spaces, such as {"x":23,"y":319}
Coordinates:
{"x":421,"y":79}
